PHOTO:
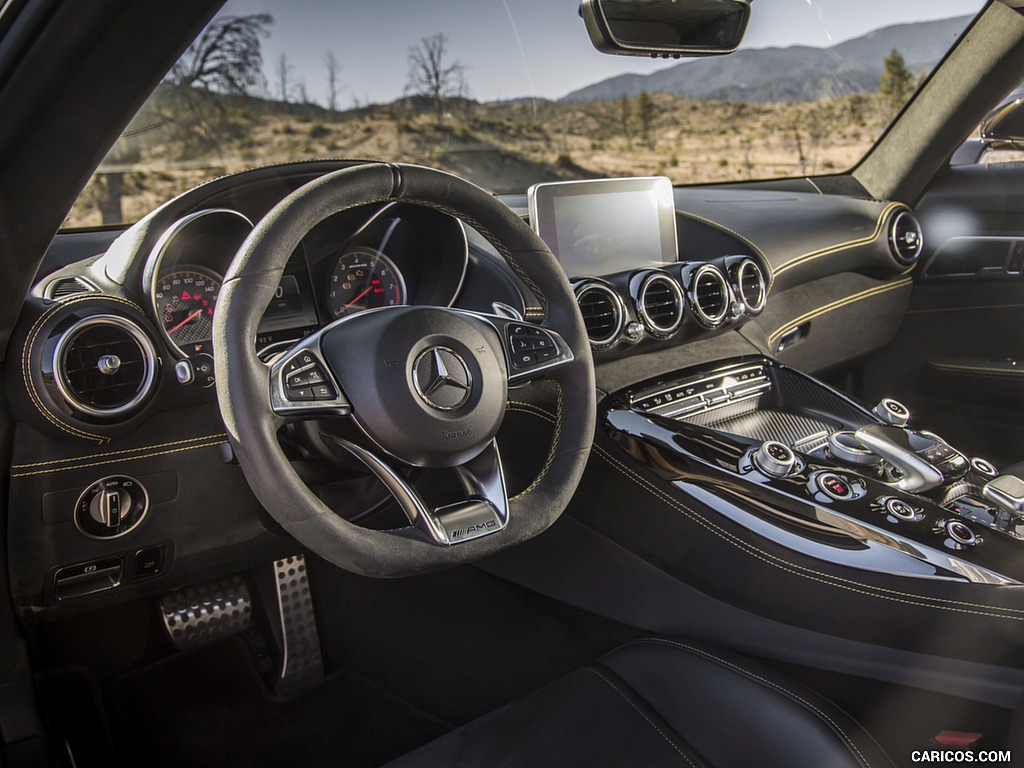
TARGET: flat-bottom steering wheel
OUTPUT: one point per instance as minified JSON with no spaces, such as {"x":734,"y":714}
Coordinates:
{"x":423,"y":386}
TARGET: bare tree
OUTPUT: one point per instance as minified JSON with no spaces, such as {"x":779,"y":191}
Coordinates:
{"x":283,"y":72}
{"x":431,"y":76}
{"x":333,"y":70}
{"x":227,"y":57}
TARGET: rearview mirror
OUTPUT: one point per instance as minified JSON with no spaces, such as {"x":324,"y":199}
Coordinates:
{"x":666,"y":28}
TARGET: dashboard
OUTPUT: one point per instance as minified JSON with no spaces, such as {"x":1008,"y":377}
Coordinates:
{"x":114,"y":384}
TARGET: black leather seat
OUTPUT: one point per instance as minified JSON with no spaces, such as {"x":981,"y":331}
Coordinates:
{"x":661,"y":703}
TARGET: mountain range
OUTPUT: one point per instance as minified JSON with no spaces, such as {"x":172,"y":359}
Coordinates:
{"x":795,"y":73}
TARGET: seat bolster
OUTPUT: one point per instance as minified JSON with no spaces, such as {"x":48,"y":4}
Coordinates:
{"x":737,"y":713}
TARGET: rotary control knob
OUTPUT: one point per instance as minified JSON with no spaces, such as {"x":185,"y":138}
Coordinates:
{"x":892,"y":412}
{"x":111,"y":507}
{"x":775,"y":459}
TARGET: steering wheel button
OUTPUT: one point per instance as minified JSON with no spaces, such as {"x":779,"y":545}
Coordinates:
{"x":314,"y":376}
{"x":323,"y":392}
{"x":303,"y":393}
{"x":524,"y":359}
{"x":298,"y":380}
{"x":545,"y":354}
{"x":522,"y":344}
{"x":544,"y":342}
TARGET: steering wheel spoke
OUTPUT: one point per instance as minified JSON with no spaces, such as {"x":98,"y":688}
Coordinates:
{"x":484,"y":510}
{"x":302,"y":385}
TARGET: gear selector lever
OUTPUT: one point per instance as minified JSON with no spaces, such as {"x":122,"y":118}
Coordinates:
{"x":915,"y":456}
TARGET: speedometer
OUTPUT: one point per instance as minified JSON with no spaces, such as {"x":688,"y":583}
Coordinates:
{"x":185,"y":301}
{"x":363,"y":278}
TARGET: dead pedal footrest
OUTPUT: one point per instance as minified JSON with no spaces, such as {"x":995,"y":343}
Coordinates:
{"x":302,"y":664}
{"x":204,"y":612}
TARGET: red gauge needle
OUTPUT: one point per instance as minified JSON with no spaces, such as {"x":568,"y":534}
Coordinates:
{"x":190,"y":317}
{"x":357,"y":298}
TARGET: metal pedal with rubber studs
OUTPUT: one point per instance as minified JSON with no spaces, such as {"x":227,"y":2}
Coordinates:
{"x":302,"y":665}
{"x":204,"y":612}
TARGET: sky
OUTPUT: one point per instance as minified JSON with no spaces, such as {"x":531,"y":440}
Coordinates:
{"x":516,"y":48}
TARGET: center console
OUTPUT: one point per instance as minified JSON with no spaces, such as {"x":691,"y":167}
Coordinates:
{"x":802,"y":464}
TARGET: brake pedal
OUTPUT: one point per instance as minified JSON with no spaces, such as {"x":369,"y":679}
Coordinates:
{"x":202,"y":613}
{"x":302,"y":665}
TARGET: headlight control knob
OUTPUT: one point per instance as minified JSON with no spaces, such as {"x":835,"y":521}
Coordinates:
{"x":892,"y":412}
{"x":111,"y":507}
{"x":775,"y":459}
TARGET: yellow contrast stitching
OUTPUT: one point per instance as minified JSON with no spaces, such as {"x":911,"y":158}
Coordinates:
{"x":26,"y":353}
{"x":975,"y":369}
{"x":809,"y":573}
{"x":210,"y":444}
{"x":838,"y":304}
{"x":640,"y":712}
{"x":770,"y":684}
{"x":845,"y":245}
{"x":554,"y":445}
{"x":963,"y":309}
{"x":222,"y":436}
{"x":758,"y":251}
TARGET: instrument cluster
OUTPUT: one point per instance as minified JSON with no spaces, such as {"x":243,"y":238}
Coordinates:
{"x":356,"y":260}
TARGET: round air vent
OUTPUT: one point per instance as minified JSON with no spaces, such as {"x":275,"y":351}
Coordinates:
{"x":659,"y":303}
{"x":751,"y":286}
{"x":905,"y":238}
{"x":603,"y":313}
{"x":104,"y":365}
{"x":709,"y":295}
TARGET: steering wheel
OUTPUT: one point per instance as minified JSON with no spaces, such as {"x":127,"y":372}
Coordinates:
{"x":419,"y":386}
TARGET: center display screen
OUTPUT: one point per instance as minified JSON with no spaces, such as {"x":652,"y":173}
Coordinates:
{"x":604,"y":226}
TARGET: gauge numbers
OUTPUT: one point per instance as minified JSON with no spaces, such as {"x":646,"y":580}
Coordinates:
{"x":362,"y":279}
{"x":185,"y":301}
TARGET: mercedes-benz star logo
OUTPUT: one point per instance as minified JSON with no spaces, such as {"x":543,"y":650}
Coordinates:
{"x":441,"y":378}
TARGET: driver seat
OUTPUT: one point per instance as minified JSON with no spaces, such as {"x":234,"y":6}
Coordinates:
{"x":661,"y":703}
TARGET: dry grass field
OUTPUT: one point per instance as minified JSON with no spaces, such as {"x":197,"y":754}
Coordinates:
{"x":504,"y":148}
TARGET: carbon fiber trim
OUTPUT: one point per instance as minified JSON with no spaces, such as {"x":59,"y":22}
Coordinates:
{"x":770,"y":424}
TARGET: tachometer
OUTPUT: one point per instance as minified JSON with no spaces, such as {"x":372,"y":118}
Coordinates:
{"x":185,"y":301}
{"x":363,"y":278}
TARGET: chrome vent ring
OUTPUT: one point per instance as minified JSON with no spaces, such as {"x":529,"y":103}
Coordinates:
{"x":905,"y":238}
{"x":604,"y":314}
{"x":709,"y":295}
{"x":104,"y":366}
{"x":659,"y":304}
{"x":751,"y":286}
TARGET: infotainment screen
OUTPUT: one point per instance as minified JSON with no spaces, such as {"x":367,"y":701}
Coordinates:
{"x":602,"y":226}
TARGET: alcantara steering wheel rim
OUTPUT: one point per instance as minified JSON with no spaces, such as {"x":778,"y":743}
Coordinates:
{"x":254,"y":402}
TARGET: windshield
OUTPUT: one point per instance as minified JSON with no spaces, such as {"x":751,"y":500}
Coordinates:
{"x":508,"y":93}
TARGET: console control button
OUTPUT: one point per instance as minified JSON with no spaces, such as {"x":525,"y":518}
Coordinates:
{"x":774,"y":459}
{"x":901,"y":509}
{"x":836,"y":486}
{"x":892,"y":412}
{"x":983,"y":468}
{"x":961,"y":533}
